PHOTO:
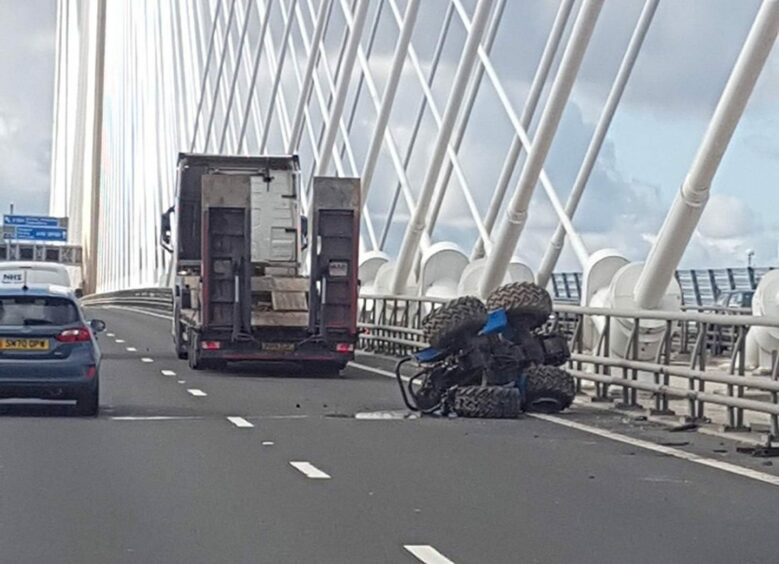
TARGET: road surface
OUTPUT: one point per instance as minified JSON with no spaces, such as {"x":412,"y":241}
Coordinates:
{"x":250,"y":467}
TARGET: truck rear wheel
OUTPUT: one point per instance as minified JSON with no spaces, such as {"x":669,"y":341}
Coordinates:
{"x":454,"y":321}
{"x":193,"y":352}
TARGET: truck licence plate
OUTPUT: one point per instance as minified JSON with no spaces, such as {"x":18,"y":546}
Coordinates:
{"x":32,"y":345}
{"x":278,"y":347}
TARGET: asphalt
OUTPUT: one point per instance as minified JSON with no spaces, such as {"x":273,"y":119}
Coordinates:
{"x":164,"y":476}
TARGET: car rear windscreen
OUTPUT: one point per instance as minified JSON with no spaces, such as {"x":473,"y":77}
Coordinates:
{"x":30,"y":310}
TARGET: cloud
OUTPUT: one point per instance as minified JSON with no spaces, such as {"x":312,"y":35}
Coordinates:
{"x":27,"y":43}
{"x":726,"y":217}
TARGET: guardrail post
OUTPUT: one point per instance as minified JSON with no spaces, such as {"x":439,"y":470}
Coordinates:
{"x":629,"y":393}
{"x":694,"y":357}
{"x":664,"y":357}
{"x":602,"y":388}
{"x":736,"y":414}
{"x":741,"y":372}
{"x":699,"y":414}
{"x":774,"y":398}
{"x":577,"y":342}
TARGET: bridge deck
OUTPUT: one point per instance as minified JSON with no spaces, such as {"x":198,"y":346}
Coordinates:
{"x":196,"y":467}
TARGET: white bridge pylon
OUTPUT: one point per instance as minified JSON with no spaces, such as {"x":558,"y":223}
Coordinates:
{"x":386,"y":90}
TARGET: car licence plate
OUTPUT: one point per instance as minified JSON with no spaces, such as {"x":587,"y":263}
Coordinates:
{"x":278,"y":347}
{"x":31,"y":345}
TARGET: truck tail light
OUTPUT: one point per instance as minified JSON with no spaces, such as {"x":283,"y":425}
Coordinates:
{"x":344,"y":347}
{"x":211,"y":345}
{"x":78,"y":335}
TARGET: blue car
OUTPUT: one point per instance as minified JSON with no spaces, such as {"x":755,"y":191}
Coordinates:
{"x":48,"y":350}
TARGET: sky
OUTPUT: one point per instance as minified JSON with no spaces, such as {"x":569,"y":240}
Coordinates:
{"x":678,"y":78}
{"x":27,"y":37}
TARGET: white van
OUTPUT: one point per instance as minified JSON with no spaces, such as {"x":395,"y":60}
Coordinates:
{"x":18,"y":272}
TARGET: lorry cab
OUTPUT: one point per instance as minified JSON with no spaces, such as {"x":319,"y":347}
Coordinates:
{"x":241,"y":288}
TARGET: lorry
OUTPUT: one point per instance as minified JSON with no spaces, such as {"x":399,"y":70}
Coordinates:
{"x":240,"y":245}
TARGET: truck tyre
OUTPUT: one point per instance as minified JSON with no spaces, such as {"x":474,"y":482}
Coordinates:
{"x":450,"y":323}
{"x":88,"y":403}
{"x":526,"y":304}
{"x":489,"y":402}
{"x":549,"y":389}
{"x":178,"y":342}
{"x":193,"y":353}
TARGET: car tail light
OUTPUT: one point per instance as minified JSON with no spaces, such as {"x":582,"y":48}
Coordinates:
{"x":211,"y":345}
{"x":344,"y":347}
{"x":78,"y":335}
{"x":91,"y":372}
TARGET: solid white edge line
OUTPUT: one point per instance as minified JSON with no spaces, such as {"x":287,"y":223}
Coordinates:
{"x":427,"y":554}
{"x":197,"y":393}
{"x":309,"y":470}
{"x":240,"y":422}
{"x":676,"y":453}
{"x":167,"y":372}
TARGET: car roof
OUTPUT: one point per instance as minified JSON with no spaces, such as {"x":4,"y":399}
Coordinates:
{"x":32,"y":265}
{"x":40,"y":290}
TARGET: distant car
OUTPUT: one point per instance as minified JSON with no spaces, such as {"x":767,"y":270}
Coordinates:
{"x":48,"y":350}
{"x":736,"y":299}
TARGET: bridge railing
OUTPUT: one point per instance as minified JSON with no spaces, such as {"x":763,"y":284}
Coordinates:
{"x":685,"y":368}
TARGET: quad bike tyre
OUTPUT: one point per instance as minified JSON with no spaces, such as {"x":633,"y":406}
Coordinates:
{"x":549,"y":389}
{"x":526,"y":304}
{"x":487,"y":402}
{"x":454,"y":321}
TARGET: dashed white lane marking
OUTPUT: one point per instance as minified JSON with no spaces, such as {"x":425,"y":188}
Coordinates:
{"x":147,"y":359}
{"x":120,"y":341}
{"x":182,"y":381}
{"x":197,"y":393}
{"x":110,"y":335}
{"x":167,"y":372}
{"x":427,"y":554}
{"x":268,"y":443}
{"x":131,"y":349}
{"x":689,"y":456}
{"x":239,"y":422}
{"x":310,"y":470}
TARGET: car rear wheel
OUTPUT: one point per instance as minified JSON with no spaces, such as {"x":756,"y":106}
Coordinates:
{"x":88,"y":403}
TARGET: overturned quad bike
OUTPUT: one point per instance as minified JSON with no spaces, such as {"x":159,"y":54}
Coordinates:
{"x":490,"y":361}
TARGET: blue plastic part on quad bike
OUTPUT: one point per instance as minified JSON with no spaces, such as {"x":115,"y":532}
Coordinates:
{"x":430,"y":354}
{"x":497,"y":322}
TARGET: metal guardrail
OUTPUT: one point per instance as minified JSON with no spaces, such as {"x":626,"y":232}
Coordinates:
{"x":393,"y":325}
{"x":155,"y":299}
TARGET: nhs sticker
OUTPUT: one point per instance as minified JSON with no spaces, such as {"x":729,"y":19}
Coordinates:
{"x":12,"y":278}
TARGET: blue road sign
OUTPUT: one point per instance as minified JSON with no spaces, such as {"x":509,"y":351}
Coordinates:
{"x":35,"y":221}
{"x":21,"y":233}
